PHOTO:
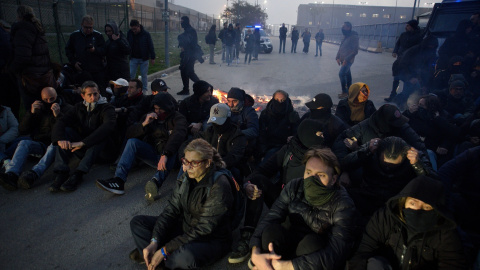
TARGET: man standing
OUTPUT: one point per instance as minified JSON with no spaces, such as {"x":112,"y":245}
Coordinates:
{"x":283,"y":38}
{"x":295,"y":37}
{"x":229,"y":38}
{"x":306,"y":35}
{"x":84,"y":131}
{"x":85,"y":50}
{"x":256,"y":50}
{"x":411,"y":37}
{"x":221,"y":36}
{"x":345,"y":57}
{"x":238,"y":38}
{"x":142,"y":50}
{"x":319,"y":37}
{"x":188,"y":42}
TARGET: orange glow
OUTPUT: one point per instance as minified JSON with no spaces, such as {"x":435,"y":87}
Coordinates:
{"x":132,"y":4}
{"x":220,"y":95}
{"x":259,"y":105}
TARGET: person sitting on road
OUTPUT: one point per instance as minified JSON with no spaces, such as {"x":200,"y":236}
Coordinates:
{"x":84,"y":130}
{"x":195,"y":227}
{"x":312,"y":223}
{"x":36,"y":129}
{"x":155,"y":141}
{"x":196,"y":108}
{"x":8,"y":131}
{"x":357,"y":107}
{"x":120,"y":87}
{"x":411,"y":231}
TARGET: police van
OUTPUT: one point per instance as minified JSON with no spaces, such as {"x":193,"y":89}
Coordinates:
{"x":265,"y":42}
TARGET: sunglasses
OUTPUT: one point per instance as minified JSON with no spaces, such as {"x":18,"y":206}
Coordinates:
{"x":193,"y":163}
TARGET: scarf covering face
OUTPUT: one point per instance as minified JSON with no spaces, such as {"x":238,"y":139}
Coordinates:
{"x":420,"y":221}
{"x":316,"y":193}
{"x":357,"y":105}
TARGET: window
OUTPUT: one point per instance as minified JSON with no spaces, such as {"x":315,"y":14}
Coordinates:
{"x":403,"y":16}
{"x":386,"y":16}
{"x":363,"y":15}
{"x":349,"y":14}
{"x":374,"y":15}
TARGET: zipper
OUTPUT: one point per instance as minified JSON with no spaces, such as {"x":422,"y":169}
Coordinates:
{"x":218,"y":141}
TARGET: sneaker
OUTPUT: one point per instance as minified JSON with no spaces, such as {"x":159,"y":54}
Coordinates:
{"x":243,"y":250}
{"x":136,"y":256}
{"x":316,"y":55}
{"x":343,"y":95}
{"x":213,"y":63}
{"x":114,"y":185}
{"x":9,"y":181}
{"x":72,"y":183}
{"x":58,"y":182}
{"x":151,"y":190}
{"x":184,"y":92}
{"x":250,"y":264}
{"x":27,"y":178}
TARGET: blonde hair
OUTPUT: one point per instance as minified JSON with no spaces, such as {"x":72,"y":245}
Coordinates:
{"x":206,"y":151}
{"x":26,"y":13}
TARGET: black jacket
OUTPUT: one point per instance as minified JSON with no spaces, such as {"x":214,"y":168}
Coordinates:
{"x":30,"y":49}
{"x":194,"y":111}
{"x":229,"y":36}
{"x":332,"y":126}
{"x":211,"y":38}
{"x":76,"y":50}
{"x":143,"y":107}
{"x":418,"y":62}
{"x":406,"y":41}
{"x":283,"y":32}
{"x":386,"y":235}
{"x":295,"y":35}
{"x":94,"y":127}
{"x":247,"y":120}
{"x":142,"y":43}
{"x":203,"y":215}
{"x":344,"y":112}
{"x":117,"y":52}
{"x":334,"y":219}
{"x":40,"y":125}
{"x":188,"y":40}
{"x":230,"y":145}
{"x":464,"y":107}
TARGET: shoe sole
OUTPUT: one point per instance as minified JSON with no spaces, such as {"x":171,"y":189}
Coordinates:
{"x":114,"y":191}
{"x":238,"y":260}
{"x":250,"y":264}
{"x":151,"y":191}
{"x":24,"y":184}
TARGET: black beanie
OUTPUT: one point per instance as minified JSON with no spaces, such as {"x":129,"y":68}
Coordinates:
{"x":413,"y":24}
{"x":310,"y":133}
{"x":320,"y":100}
{"x":236,"y":93}
{"x":201,"y":87}
{"x":164,"y":101}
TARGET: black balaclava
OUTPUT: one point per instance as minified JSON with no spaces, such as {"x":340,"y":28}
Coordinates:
{"x":277,"y":107}
{"x":221,"y":129}
{"x":420,"y":220}
{"x":185,"y":22}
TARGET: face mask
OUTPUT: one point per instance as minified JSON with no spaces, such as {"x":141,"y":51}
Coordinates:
{"x":322,"y":113}
{"x":420,"y":220}
{"x":424,"y":114}
{"x":346,"y":32}
{"x":162,"y":116}
{"x":220,"y":129}
{"x":184,"y":24}
{"x":316,"y":193}
{"x":237,"y":108}
{"x":279,"y":108}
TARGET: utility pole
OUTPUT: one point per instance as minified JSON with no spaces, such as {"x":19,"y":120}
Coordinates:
{"x":166,"y":19}
{"x":413,"y":11}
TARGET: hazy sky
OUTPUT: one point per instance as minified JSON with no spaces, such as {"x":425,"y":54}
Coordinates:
{"x":280,"y":11}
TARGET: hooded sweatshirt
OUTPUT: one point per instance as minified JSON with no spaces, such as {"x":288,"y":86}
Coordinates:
{"x":117,"y":52}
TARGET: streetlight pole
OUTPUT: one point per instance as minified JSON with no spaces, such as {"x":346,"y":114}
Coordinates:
{"x":413,"y":11}
{"x":166,"y":18}
{"x":333,"y":8}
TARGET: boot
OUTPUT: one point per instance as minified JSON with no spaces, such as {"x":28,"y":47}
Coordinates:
{"x":73,"y":181}
{"x":242,"y":252}
{"x":184,"y":92}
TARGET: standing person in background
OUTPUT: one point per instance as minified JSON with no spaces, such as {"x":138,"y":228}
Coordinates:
{"x":229,"y":38}
{"x":283,"y":38}
{"x":117,"y":51}
{"x":221,"y":36}
{"x":295,"y":37}
{"x":211,"y":40}
{"x":319,"y":37}
{"x":188,"y":42}
{"x":238,"y":38}
{"x":345,"y":57}
{"x":10,"y":97}
{"x":142,"y":50}
{"x":256,"y":48}
{"x":306,"y":35}
{"x":250,"y":44}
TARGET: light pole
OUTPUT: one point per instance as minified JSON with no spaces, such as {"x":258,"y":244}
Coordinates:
{"x":333,"y":8}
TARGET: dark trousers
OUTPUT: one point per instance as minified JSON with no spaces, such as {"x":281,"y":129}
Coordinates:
{"x":87,"y":156}
{"x":237,"y":50}
{"x":190,"y":255}
{"x":187,"y":71}
{"x":282,"y":42}
{"x":289,"y":243}
{"x":294,"y":46}
{"x":306,"y":45}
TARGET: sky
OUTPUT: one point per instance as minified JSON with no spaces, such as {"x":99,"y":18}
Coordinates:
{"x":285,"y":11}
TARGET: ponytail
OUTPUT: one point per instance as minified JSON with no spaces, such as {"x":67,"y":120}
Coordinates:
{"x":217,"y":160}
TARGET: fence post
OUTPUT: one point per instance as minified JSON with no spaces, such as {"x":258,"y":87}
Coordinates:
{"x":57,"y":28}
{"x":127,"y":22}
{"x":166,"y":18}
{"x":39,"y":11}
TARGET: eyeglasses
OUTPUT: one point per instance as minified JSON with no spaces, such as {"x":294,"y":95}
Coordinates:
{"x":193,"y":163}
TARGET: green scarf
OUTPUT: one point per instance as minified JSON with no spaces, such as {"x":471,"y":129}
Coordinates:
{"x":316,"y":193}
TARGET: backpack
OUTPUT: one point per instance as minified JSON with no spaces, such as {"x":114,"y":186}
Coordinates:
{"x":238,"y":197}
{"x":199,"y":54}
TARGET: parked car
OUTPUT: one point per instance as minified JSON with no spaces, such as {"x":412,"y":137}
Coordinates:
{"x":265,"y":42}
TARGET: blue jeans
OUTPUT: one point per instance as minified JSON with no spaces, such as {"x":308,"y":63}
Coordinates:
{"x":29,"y":147}
{"x":229,"y":56}
{"x":136,"y":148}
{"x":134,"y":63}
{"x":282,"y":43}
{"x":345,"y":77}
{"x":318,"y":47}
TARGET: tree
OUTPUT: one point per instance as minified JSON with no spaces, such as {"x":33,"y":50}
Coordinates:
{"x":245,"y":14}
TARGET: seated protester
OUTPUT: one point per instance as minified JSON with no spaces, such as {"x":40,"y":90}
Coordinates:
{"x":411,"y":232}
{"x":196,"y":108}
{"x":385,"y":122}
{"x":195,"y":227}
{"x":8,"y":130}
{"x":456,"y":65}
{"x":387,"y":167}
{"x":454,"y":101}
{"x":243,"y":114}
{"x":474,"y":80}
{"x":312,"y":223}
{"x":430,"y":123}
{"x":120,"y":88}
{"x":321,"y":111}
{"x":460,"y":176}
{"x":266,"y":182}
{"x":460,"y":44}
{"x":144,"y":107}
{"x":278,"y":121}
{"x":36,"y":126}
{"x":357,"y":107}
{"x":472,"y":139}
{"x":154,"y":141}
{"x":84,"y":130}
{"x":124,"y":105}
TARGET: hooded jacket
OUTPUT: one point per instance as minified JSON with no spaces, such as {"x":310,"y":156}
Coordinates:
{"x":348,"y":48}
{"x":188,"y":40}
{"x":117,"y":52}
{"x":141,"y":43}
{"x":344,"y":107}
{"x":230,"y":145}
{"x":76,"y":50}
{"x":194,"y":111}
{"x":388,"y":235}
{"x":407,"y":40}
{"x":247,"y":120}
{"x":333,"y":125}
{"x":165,"y":136}
{"x":8,"y":127}
{"x":94,"y":127}
{"x":203,"y":210}
{"x":335,"y":219}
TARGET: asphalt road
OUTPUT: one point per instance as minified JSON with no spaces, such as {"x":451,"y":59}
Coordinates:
{"x":89,"y":228}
